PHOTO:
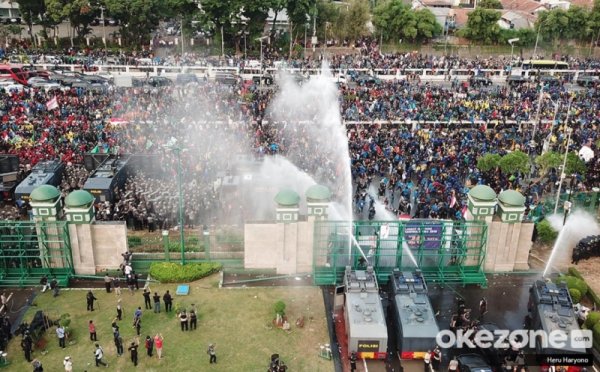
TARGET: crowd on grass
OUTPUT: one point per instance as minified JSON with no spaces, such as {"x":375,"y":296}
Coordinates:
{"x":421,"y":166}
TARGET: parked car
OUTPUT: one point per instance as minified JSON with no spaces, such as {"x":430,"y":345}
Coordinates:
{"x":587,"y":80}
{"x":514,"y":80}
{"x":549,"y":80}
{"x":226,"y":78}
{"x":367,"y":79}
{"x":183,"y":79}
{"x":480,"y":80}
{"x":11,"y":86}
{"x":159,"y":81}
{"x":472,"y":363}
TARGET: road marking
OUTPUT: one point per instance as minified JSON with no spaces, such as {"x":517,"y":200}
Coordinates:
{"x":595,"y":369}
{"x":367,"y":368}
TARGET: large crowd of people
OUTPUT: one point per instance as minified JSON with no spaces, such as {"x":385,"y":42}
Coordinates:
{"x":421,"y":165}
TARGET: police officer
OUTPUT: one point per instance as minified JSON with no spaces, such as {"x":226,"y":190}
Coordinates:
{"x":147,"y":303}
{"x":353,"y":361}
{"x":133,"y":349}
{"x":193,"y":320}
{"x":90,"y":301}
{"x":27,"y":346}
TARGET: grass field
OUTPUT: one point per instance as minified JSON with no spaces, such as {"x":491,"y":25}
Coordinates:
{"x":238,"y":321}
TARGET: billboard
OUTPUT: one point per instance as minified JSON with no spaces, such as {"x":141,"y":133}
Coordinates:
{"x":426,"y":234}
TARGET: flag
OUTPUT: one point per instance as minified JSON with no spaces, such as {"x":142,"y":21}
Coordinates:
{"x":52,"y":104}
{"x":95,"y":150}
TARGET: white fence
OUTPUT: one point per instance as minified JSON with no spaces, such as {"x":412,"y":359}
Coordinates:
{"x":248,"y":72}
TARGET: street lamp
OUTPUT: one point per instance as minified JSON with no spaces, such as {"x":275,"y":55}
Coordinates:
{"x":103,"y":25}
{"x":512,"y":48}
{"x":261,"y":54}
{"x":177,"y":151}
{"x":564,"y":166}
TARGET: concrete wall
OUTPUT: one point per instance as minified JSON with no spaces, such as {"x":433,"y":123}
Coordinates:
{"x":98,"y":246}
{"x":508,"y":246}
{"x":82,"y":249}
{"x":286,"y":247}
{"x":109,"y":240}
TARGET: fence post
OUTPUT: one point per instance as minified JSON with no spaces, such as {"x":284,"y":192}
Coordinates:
{"x":165,"y":235}
{"x":206,"y":234}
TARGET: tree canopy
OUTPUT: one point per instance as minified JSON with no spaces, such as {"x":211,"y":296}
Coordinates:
{"x":395,"y":19}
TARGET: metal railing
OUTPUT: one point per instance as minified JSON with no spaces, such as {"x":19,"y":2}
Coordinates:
{"x":386,"y":74}
{"x":446,"y":251}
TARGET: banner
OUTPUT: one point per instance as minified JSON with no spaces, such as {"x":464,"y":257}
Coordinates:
{"x":52,"y":104}
{"x":422,"y":233}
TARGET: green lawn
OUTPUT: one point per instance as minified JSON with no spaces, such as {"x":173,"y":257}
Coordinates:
{"x":238,"y":321}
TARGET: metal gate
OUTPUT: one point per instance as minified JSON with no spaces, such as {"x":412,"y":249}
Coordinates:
{"x":29,"y":250}
{"x":445,"y":251}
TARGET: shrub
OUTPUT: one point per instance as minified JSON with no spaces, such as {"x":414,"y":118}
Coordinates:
{"x":279,"y":308}
{"x":596,"y":332}
{"x":169,"y":272}
{"x":592,"y":319}
{"x":134,"y":241}
{"x":574,"y":283}
{"x":575,"y":295}
{"x":546,"y":233}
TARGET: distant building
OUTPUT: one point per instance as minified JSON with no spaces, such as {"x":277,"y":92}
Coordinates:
{"x":9,"y":9}
{"x":526,"y":6}
{"x":514,"y":19}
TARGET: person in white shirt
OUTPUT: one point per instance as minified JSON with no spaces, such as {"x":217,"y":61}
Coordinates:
{"x":68,"y":363}
{"x":453,"y":365}
{"x":427,"y":361}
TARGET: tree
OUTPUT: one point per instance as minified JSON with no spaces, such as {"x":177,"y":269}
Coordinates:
{"x":427,"y":25}
{"x":328,"y":13}
{"x":516,"y":161}
{"x":482,"y":25}
{"x":80,"y":13}
{"x":553,"y":24}
{"x":488,"y":162}
{"x":574,"y":164}
{"x":138,"y":18}
{"x":394,"y":20}
{"x":355,"y":19}
{"x":490,"y":4}
{"x":30,"y":10}
{"x":548,"y":161}
{"x":579,"y":24}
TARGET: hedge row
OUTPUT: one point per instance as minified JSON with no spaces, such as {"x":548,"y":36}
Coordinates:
{"x":573,"y":282}
{"x":574,"y":272}
{"x":169,"y":272}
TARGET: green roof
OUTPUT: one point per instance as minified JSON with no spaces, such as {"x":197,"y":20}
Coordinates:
{"x":44,"y":193}
{"x":318,"y":192}
{"x":79,"y":198}
{"x":287,"y":198}
{"x":512,"y":197}
{"x":483,"y":193}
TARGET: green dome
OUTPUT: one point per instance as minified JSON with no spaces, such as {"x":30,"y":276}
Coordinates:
{"x":287,"y":198}
{"x":44,"y":193}
{"x":483,"y":193}
{"x":512,"y":197}
{"x":318,"y":193}
{"x":79,"y":198}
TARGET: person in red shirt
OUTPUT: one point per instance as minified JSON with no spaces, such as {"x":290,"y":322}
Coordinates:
{"x":92,"y":329}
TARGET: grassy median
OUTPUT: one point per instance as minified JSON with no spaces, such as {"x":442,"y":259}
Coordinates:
{"x":238,"y":321}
